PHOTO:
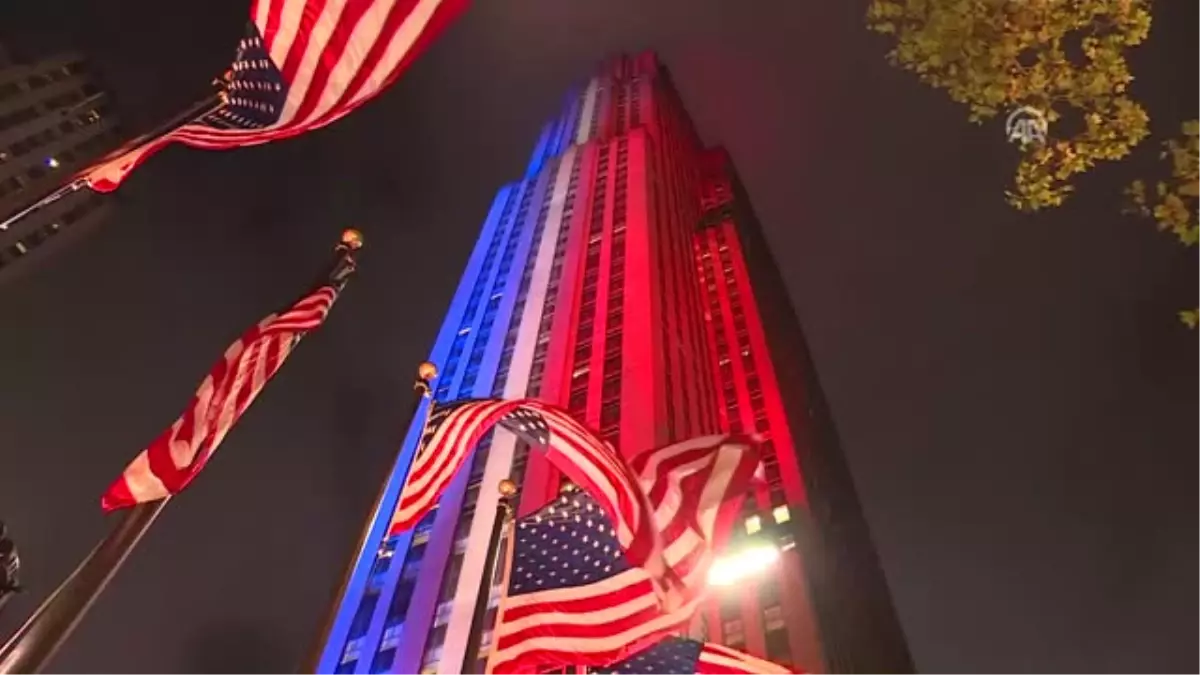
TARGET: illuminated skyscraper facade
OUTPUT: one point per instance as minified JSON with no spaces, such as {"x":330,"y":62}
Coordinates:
{"x":624,"y":277}
{"x":54,"y":118}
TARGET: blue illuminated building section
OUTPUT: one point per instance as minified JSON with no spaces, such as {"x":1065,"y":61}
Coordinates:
{"x":399,"y":609}
{"x":388,"y":621}
{"x":558,"y":135}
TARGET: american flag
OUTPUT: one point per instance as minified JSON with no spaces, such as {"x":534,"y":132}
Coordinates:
{"x":177,"y":456}
{"x":596,"y":467}
{"x":451,"y":433}
{"x":580,"y":454}
{"x":302,"y":65}
{"x":572,"y":604}
{"x":679,"y":655}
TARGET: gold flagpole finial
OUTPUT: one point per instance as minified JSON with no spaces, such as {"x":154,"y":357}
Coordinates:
{"x":352,"y":239}
{"x":507,"y":488}
{"x":427,"y":371}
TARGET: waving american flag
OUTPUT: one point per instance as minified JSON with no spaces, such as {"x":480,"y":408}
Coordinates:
{"x":574,"y":598}
{"x":178,"y":455}
{"x":455,"y":428}
{"x":302,"y":65}
{"x":450,"y":435}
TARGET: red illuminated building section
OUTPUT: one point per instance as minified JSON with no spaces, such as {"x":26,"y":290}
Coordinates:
{"x":673,"y":322}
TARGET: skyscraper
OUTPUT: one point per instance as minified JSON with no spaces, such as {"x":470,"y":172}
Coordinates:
{"x":54,"y":118}
{"x":625,"y":278}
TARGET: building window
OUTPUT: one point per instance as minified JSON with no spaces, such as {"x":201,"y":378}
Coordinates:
{"x":781,"y":514}
{"x":778,"y":649}
{"x":732,"y":632}
{"x":753,"y":524}
{"x":773,"y":618}
{"x":362,"y":616}
{"x":610,"y":413}
{"x":433,"y":649}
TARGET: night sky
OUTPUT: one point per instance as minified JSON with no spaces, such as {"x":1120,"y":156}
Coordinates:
{"x":1016,"y":397}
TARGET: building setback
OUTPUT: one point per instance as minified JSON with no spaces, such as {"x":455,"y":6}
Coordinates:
{"x":626,"y":278}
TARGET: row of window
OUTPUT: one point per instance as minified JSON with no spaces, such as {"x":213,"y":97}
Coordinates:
{"x":619,"y":108}
{"x":12,"y":88}
{"x":610,"y":397}
{"x":538,"y":366}
{"x":581,"y":364}
{"x":691,"y":408}
{"x":40,"y":235}
{"x":91,"y":146}
{"x":635,"y":103}
{"x":740,"y":349}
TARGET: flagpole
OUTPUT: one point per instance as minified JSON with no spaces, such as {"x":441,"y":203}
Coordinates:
{"x":504,"y":510}
{"x":505,"y":578}
{"x":194,"y":112}
{"x":422,"y":389}
{"x":35,"y":643}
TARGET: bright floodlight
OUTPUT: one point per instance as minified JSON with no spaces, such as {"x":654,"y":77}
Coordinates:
{"x":747,"y":562}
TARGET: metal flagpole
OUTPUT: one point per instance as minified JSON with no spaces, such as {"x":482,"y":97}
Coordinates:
{"x":504,"y":510}
{"x":31,"y":647}
{"x":505,"y":578}
{"x":194,"y":112}
{"x":422,"y":389}
{"x":35,"y":643}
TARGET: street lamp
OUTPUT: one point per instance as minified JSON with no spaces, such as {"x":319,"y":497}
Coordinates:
{"x":747,"y":561}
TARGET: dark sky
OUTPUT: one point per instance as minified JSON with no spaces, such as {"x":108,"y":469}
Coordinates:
{"x":1016,"y":398}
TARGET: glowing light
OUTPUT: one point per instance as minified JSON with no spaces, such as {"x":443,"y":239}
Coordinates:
{"x":752,"y":560}
{"x":782,"y":514}
{"x":753,"y":524}
{"x":52,"y":162}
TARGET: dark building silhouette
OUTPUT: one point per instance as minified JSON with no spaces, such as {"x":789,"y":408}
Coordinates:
{"x":54,"y":119}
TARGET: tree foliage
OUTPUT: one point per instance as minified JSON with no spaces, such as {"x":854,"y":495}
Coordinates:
{"x":1064,"y":58}
{"x":1172,"y":204}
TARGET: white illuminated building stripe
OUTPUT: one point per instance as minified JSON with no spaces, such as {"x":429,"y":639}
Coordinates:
{"x":589,"y":111}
